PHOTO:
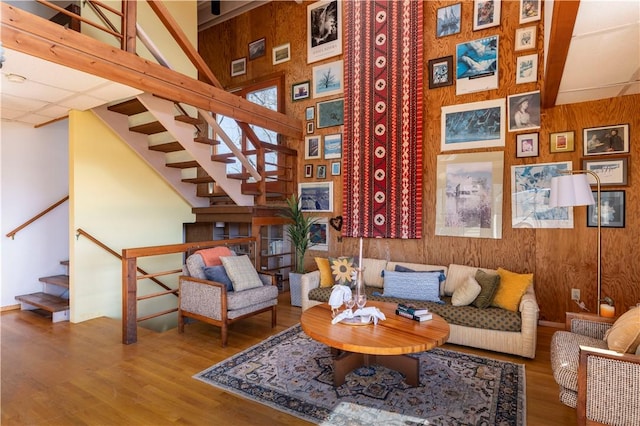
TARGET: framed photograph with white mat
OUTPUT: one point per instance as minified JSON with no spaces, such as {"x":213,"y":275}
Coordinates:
{"x":316,"y":196}
{"x":473,"y":125}
{"x":328,"y":79}
{"x":527,"y":145}
{"x":486,"y":14}
{"x":324,"y":30}
{"x":527,"y":69}
{"x":477,"y":65}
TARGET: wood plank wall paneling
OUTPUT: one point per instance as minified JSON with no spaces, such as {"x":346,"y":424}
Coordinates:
{"x":561,"y":259}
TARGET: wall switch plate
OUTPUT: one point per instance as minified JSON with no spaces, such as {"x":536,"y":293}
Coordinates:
{"x":575,"y":294}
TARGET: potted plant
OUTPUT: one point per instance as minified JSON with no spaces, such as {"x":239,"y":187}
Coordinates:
{"x":298,"y":233}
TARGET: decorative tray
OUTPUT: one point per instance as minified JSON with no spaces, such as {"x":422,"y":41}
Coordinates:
{"x":357,"y":320}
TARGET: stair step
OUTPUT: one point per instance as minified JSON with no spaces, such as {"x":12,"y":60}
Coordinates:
{"x":59,"y":280}
{"x":149,"y":128}
{"x":183,"y":164}
{"x":207,"y":141}
{"x":188,"y":119}
{"x":130,"y":107}
{"x":203,"y":179}
{"x":47,"y":302}
{"x":167,"y":147}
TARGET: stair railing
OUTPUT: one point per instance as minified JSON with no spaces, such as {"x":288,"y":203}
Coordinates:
{"x":130,"y":278}
{"x":36,"y":217}
{"x":144,"y":273}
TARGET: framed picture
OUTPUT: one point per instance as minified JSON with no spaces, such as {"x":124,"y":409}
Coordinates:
{"x":312,"y":147}
{"x":333,"y":146}
{"x":440,"y":72}
{"x":328,"y":79}
{"x":527,"y":69}
{"x":473,"y":125}
{"x":448,"y":20}
{"x":527,"y":145}
{"x":529,"y":11}
{"x":335,"y":168}
{"x":318,"y":234}
{"x":310,"y":113}
{"x":238,"y":67}
{"x":321,"y":172}
{"x":316,"y":196}
{"x":486,"y":14}
{"x":525,"y":38}
{"x":610,"y":171}
{"x":308,"y":170}
{"x":300,"y":91}
{"x":606,"y":140}
{"x":530,"y":188}
{"x":477,"y":65}
{"x":524,"y":111}
{"x":612,"y":207}
{"x":281,"y":53}
{"x":257,"y":48}
{"x":324,"y":30}
{"x":562,"y":142}
{"x":310,"y":127}
{"x":330,"y":113}
{"x":469,"y":195}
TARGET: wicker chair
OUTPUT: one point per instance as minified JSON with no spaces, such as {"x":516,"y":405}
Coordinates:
{"x":603,"y":385}
{"x":211,"y":302}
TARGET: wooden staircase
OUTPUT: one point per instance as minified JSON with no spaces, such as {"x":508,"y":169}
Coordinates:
{"x":50,"y":300}
{"x":185,"y":147}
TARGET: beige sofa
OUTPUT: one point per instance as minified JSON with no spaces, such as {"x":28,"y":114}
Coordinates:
{"x":518,"y":342}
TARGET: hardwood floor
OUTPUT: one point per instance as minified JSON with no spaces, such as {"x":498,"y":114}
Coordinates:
{"x":75,"y":374}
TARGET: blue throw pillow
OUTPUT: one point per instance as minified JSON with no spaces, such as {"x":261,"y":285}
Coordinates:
{"x":423,"y":286}
{"x":219,"y":275}
{"x":400,"y":268}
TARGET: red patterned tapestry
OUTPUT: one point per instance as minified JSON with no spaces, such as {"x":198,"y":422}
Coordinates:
{"x":382,"y":187}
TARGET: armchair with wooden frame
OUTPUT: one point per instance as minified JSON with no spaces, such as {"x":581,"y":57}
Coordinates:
{"x":214,"y":303}
{"x":601,"y":384}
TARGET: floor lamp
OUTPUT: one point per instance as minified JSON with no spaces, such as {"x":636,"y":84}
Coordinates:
{"x":571,"y":189}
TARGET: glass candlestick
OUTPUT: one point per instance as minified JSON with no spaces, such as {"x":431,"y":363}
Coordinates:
{"x":360,"y":295}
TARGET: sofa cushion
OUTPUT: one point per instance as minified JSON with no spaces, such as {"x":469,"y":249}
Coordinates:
{"x":219,"y":275}
{"x":511,"y":288}
{"x":372,"y":272}
{"x":342,"y":269}
{"x":624,"y":334}
{"x":413,"y":286}
{"x":466,"y":293}
{"x":489,"y":285}
{"x":419,"y":267}
{"x":243,"y":299}
{"x":457,"y":275}
{"x":565,"y":354}
{"x":242,"y":273}
{"x":326,"y":277}
{"x":211,"y":256}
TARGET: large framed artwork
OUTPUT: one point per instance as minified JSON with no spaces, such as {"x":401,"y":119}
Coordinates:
{"x":328,"y":79}
{"x":530,"y":188}
{"x":324,"y":30}
{"x":469,"y":195}
{"x":477,"y":65}
{"x":472,"y":125}
{"x":316,"y":196}
{"x":606,"y":140}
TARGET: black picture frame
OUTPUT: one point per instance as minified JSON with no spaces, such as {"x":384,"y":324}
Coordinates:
{"x":613,"y":210}
{"x":440,"y":72}
{"x":300,"y":91}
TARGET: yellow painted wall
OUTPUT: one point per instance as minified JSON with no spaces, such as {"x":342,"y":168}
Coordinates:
{"x":118,"y":199}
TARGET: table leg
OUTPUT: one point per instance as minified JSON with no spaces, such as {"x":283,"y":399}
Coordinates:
{"x":345,"y":362}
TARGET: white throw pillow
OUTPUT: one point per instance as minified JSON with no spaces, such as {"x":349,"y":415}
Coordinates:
{"x":241,"y":272}
{"x":466,"y":293}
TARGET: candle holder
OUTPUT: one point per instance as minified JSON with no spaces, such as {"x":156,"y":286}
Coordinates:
{"x":360,"y":294}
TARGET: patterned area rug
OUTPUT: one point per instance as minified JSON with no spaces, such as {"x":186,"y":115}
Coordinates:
{"x":293,"y":373}
{"x":382,"y":187}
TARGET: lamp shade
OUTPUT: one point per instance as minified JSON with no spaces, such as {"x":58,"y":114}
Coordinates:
{"x":570,"y":190}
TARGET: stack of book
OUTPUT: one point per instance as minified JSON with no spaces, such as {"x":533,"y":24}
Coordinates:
{"x":414,"y":313}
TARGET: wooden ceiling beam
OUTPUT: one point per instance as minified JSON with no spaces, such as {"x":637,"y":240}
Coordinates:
{"x":29,"y":34}
{"x":562,"y":23}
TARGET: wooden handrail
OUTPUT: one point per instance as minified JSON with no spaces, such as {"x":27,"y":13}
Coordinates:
{"x":100,"y":244}
{"x":36,"y":217}
{"x":84,"y":20}
{"x":130,"y":296}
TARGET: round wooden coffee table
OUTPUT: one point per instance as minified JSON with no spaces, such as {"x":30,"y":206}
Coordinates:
{"x":386,"y":343}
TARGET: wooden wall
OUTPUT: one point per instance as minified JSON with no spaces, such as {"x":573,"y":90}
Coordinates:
{"x":561,"y":259}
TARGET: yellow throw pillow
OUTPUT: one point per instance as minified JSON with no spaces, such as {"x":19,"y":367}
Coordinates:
{"x":326,"y":278}
{"x":624,"y":334}
{"x":511,"y":289}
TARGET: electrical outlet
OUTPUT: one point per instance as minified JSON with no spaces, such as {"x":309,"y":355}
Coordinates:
{"x":575,"y":294}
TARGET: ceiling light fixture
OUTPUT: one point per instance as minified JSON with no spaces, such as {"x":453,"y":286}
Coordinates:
{"x":16,"y":78}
